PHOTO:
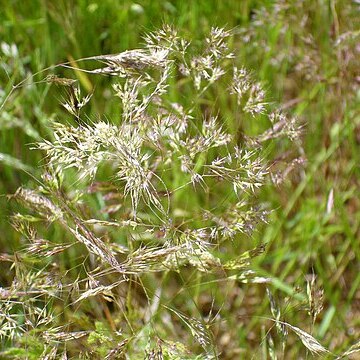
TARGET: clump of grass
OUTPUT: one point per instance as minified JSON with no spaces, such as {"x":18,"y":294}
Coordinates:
{"x":152,"y":199}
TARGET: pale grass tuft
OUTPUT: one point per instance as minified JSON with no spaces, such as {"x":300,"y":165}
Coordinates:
{"x":308,"y":340}
{"x":160,"y":153}
{"x":198,"y":329}
{"x":98,"y":290}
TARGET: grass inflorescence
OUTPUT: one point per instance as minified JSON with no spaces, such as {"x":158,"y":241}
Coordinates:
{"x":173,"y":209}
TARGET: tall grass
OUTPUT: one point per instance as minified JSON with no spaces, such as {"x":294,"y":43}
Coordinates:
{"x":188,"y":215}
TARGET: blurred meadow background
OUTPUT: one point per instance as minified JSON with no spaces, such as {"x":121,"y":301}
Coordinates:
{"x":306,"y":257}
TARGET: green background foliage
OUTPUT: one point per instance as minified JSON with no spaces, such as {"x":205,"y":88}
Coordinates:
{"x":295,"y":51}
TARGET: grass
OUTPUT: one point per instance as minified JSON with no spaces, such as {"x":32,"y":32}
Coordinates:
{"x":305,"y":54}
